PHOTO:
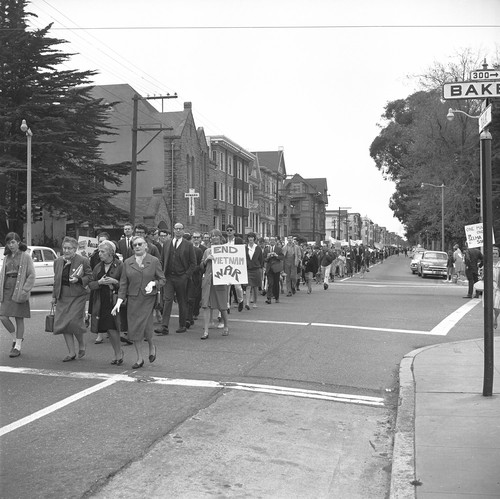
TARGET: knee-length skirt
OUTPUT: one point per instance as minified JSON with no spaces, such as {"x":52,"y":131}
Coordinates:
{"x":254,"y":277}
{"x":70,"y":313}
{"x":9,"y":308}
{"x":140,"y":316}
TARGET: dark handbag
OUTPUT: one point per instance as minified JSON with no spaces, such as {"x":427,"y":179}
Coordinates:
{"x":49,"y":321}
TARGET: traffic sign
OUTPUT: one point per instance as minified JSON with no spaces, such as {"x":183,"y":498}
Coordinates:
{"x":471,"y":90}
{"x":482,"y":74}
{"x":485,"y":118}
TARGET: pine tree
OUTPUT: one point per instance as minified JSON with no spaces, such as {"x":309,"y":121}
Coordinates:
{"x":69,"y":177}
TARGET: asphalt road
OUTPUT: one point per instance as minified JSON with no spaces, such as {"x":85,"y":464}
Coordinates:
{"x":214,"y":417}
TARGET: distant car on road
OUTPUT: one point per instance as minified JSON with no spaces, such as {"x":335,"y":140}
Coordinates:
{"x":43,"y":260}
{"x":417,"y":255}
{"x":433,"y":263}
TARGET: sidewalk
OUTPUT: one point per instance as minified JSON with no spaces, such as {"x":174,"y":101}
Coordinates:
{"x":447,"y":441}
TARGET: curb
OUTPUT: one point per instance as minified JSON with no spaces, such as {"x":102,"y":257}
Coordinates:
{"x":403,"y":455}
{"x":403,"y":478}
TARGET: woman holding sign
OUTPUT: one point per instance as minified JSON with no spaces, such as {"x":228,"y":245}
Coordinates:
{"x":213,"y":297}
{"x":72,"y":274}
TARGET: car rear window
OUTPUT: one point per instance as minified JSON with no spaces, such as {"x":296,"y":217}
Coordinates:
{"x":436,"y":256}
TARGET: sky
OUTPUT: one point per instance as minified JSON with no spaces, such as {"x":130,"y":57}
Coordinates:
{"x":310,"y":76}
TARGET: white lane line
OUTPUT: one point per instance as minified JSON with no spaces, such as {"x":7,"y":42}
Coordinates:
{"x":250,"y":387}
{"x":381,"y":329}
{"x":54,"y":407}
{"x":443,"y":328}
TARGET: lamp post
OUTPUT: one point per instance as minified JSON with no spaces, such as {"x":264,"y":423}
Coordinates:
{"x":29,"y":135}
{"x":442,"y":186}
{"x":487,"y":219}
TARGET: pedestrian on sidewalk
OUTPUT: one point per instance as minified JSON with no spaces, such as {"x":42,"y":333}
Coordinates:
{"x":473,"y":259}
{"x":17,"y":279}
{"x":450,"y":266}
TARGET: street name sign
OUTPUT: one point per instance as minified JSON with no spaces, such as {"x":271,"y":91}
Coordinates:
{"x":482,"y":74}
{"x":471,"y":90}
{"x":485,"y":118}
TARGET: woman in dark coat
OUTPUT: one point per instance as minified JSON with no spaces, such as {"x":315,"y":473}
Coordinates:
{"x":255,"y":262}
{"x":17,"y":278}
{"x":140,"y":281}
{"x":104,"y":292}
{"x":72,"y":274}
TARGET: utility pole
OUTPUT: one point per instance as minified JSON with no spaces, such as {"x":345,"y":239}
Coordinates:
{"x":338,"y":228}
{"x":133,"y":172}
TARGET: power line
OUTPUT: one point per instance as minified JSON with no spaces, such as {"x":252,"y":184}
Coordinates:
{"x":274,"y":27}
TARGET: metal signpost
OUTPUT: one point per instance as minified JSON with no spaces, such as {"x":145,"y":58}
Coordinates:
{"x":191,"y":195}
{"x":486,"y":88}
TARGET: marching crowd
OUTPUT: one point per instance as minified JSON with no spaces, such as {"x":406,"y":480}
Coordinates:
{"x":121,"y":289}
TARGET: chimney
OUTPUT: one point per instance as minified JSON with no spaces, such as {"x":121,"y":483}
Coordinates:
{"x":187,"y":105}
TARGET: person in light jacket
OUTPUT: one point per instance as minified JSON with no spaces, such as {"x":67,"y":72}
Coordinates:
{"x":17,"y":278}
{"x":72,"y":274}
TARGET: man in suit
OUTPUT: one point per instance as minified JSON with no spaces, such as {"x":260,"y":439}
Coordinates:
{"x":178,"y":262}
{"x":125,"y":243}
{"x":292,"y":255}
{"x":473,"y":259}
{"x":273,"y":257}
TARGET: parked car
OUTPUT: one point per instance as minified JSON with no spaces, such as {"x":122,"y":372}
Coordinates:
{"x":417,"y":255}
{"x":43,"y":260}
{"x":433,"y":263}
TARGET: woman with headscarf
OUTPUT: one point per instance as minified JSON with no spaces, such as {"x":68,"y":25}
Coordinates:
{"x":104,"y":293}
{"x":140,"y":281}
{"x":72,"y":274}
{"x":17,"y":278}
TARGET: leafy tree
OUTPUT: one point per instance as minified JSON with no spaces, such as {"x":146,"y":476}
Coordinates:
{"x":418,"y":144}
{"x":69,"y":177}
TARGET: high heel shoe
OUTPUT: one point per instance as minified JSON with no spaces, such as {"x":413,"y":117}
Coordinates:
{"x":204,"y":336}
{"x":152,"y":358}
{"x":138,"y":366}
{"x":119,"y":362}
{"x":68,"y":358}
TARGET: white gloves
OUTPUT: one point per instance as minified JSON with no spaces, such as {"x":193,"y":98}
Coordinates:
{"x":116,"y":308}
{"x":149,"y":287}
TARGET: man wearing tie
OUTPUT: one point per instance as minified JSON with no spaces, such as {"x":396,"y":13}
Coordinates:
{"x":178,"y":262}
{"x":124,"y":244}
{"x":273,"y":258}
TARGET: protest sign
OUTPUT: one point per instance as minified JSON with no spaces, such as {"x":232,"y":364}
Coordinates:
{"x":229,"y":264}
{"x":474,"y":235}
{"x":86,"y":245}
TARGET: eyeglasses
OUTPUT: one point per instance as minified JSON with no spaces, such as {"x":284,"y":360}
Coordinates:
{"x":229,"y":230}
{"x":197,"y":237}
{"x":178,"y":228}
{"x":137,"y":244}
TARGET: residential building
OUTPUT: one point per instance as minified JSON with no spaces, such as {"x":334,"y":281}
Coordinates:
{"x":235,"y":180}
{"x":304,"y":207}
{"x":269,"y":195}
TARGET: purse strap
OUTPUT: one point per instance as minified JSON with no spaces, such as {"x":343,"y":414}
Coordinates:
{"x":52,"y":310}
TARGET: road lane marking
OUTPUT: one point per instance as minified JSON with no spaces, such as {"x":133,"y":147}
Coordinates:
{"x":110,"y":379}
{"x":380,"y":329}
{"x":443,"y":328}
{"x":54,"y":407}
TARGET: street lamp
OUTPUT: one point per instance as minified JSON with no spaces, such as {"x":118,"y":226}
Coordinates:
{"x":442,"y":186}
{"x":29,"y":135}
{"x":451,"y":114}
